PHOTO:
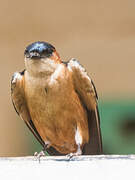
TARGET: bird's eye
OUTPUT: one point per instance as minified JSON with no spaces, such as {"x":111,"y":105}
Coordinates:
{"x":47,"y":52}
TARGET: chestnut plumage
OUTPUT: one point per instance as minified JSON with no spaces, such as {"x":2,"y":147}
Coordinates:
{"x":58,"y":102}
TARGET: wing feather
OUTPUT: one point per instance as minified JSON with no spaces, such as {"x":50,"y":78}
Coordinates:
{"x":86,"y":90}
{"x":19,"y":103}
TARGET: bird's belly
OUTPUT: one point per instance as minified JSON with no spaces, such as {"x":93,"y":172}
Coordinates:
{"x":56,"y":119}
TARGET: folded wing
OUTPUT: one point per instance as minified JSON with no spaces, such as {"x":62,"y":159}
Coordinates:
{"x":88,"y":96}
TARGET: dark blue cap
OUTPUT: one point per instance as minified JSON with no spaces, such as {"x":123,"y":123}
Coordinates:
{"x":39,"y":49}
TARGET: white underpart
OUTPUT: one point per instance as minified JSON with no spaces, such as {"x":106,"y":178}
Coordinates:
{"x":78,"y":137}
{"x":16,"y":76}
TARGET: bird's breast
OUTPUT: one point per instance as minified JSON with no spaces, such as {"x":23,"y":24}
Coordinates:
{"x":50,"y":96}
{"x":56,"y":110}
{"x":47,"y":101}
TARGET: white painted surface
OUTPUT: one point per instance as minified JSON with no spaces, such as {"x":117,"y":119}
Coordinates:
{"x":83,"y":167}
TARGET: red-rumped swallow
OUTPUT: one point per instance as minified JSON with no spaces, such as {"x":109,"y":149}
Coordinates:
{"x":58,"y":102}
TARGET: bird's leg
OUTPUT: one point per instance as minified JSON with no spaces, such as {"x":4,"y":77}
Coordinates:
{"x":43,"y":152}
{"x":77,"y":153}
{"x":46,"y":146}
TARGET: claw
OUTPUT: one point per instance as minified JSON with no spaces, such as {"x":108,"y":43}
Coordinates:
{"x":43,"y":152}
{"x":39,"y":155}
{"x":71,"y":155}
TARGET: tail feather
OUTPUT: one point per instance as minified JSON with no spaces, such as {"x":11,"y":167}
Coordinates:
{"x":94,"y":146}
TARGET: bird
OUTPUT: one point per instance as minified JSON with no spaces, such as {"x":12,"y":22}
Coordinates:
{"x":58,"y":102}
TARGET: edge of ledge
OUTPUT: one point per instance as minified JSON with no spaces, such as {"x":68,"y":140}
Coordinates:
{"x":75,"y":158}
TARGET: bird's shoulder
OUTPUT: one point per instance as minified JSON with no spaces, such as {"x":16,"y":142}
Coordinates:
{"x":17,"y":91}
{"x":83,"y":83}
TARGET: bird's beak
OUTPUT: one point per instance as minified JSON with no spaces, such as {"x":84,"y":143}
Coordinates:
{"x":33,"y":55}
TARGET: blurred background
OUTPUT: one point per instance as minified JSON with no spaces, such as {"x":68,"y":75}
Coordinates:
{"x":100,"y":34}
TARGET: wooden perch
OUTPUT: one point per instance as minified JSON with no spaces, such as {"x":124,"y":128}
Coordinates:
{"x":104,"y":167}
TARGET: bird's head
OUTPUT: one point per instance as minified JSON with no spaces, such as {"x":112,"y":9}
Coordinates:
{"x":41,"y":58}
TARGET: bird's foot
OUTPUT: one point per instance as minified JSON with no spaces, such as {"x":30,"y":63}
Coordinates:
{"x":43,"y":152}
{"x":71,"y":155}
{"x":36,"y":154}
{"x":39,"y":155}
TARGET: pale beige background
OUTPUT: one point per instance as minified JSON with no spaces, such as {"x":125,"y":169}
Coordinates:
{"x":100,"y":34}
